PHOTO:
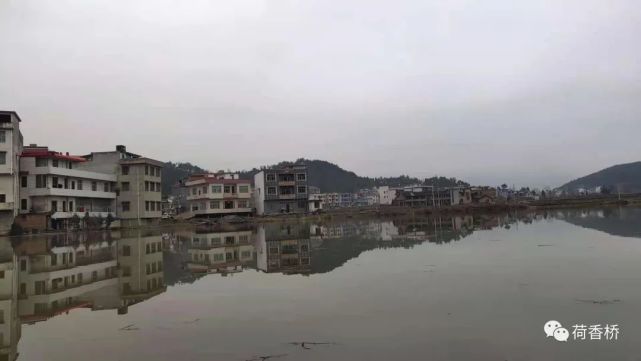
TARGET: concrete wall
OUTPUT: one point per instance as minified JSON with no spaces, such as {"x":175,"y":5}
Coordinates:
{"x":259,"y":193}
{"x":9,"y":172}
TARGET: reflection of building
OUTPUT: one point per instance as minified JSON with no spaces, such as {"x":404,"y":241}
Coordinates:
{"x":219,"y":252}
{"x":10,"y":148}
{"x":141,"y":268}
{"x":52,"y":188}
{"x":281,"y":190}
{"x":283,"y":248}
{"x":218,"y":195}
{"x":10,"y":326}
{"x":59,"y":275}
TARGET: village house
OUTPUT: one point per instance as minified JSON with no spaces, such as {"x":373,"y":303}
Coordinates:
{"x":10,"y":149}
{"x":218,"y":195}
{"x":281,"y":190}
{"x":139,"y":184}
{"x":53,"y":190}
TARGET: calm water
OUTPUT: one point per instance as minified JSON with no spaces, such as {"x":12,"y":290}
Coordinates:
{"x":462,"y":288}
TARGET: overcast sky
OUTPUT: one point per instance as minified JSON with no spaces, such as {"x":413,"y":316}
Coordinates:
{"x":522,"y":92}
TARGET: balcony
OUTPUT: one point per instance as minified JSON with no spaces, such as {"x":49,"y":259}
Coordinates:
{"x":287,"y":183}
{"x":287,"y":196}
{"x":73,"y":173}
{"x":68,"y":192}
{"x":66,"y":215}
{"x":6,"y":206}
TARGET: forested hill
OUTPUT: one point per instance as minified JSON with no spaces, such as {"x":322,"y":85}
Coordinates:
{"x":330,"y":177}
{"x":173,"y":172}
{"x":327,"y":176}
{"x":625,"y":178}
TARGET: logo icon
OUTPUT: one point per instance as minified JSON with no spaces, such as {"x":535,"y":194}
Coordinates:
{"x":550,"y":327}
{"x":561,"y":334}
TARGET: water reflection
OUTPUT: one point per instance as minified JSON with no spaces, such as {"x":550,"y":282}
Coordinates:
{"x":44,"y":276}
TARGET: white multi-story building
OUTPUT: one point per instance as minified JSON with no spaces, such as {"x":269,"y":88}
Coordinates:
{"x":52,"y":184}
{"x":218,"y":195}
{"x":139,"y":184}
{"x":386,"y":195}
{"x":10,"y":149}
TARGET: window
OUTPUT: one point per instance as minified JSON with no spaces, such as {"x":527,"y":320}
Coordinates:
{"x":158,"y":187}
{"x":302,"y":189}
{"x":23,"y":204}
{"x":94,"y":186}
{"x":301,"y":177}
{"x":3,"y":157}
{"x":243,"y":238}
{"x":153,"y":206}
{"x":106,"y":187}
{"x":23,"y":264}
{"x":146,"y":170}
{"x":214,"y":205}
{"x":215,"y":241}
{"x":23,"y":182}
{"x":3,"y":136}
{"x":126,"y":271}
{"x":64,"y":206}
{"x":146,"y":186}
{"x":157,"y":172}
{"x":54,"y":206}
{"x":79,"y":184}
{"x":147,"y":206}
{"x":230,"y":189}
{"x":243,"y":189}
{"x":125,"y":186}
{"x":3,"y":198}
{"x":55,"y":163}
{"x":245,"y":254}
{"x":271,"y":177}
{"x":271,"y":190}
{"x":219,"y":257}
{"x":42,"y":162}
{"x":229,"y":240}
{"x":125,"y":170}
{"x":229,"y":204}
{"x":94,"y":276}
{"x":40,"y":287}
{"x":126,"y":206}
{"x":242,"y":204}
{"x":205,"y":190}
{"x":216,"y":189}
{"x":41,"y":181}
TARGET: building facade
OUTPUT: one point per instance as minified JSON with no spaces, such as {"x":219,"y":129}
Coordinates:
{"x":139,"y":184}
{"x":51,"y":185}
{"x":386,"y":195}
{"x":219,"y":195}
{"x":281,"y":190}
{"x":10,"y":149}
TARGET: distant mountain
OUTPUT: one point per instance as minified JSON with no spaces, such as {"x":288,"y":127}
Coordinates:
{"x":330,"y":177}
{"x":625,"y":178}
{"x":327,"y":176}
